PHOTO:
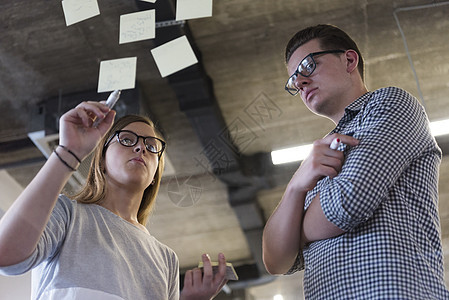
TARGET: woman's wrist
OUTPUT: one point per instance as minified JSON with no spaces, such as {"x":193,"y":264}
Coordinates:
{"x":71,"y":153}
{"x":68,"y":158}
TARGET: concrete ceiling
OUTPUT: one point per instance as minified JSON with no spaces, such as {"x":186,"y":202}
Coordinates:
{"x":222,"y":116}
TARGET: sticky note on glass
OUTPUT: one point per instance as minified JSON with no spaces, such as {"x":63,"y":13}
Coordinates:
{"x":192,"y":9}
{"x":79,"y":10}
{"x":174,"y":56}
{"x":117,"y":74}
{"x":137,"y":26}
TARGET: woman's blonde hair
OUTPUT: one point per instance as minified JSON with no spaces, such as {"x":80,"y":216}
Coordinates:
{"x":94,"y":190}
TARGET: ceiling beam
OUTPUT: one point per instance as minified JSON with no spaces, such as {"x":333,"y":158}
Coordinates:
{"x":195,"y":94}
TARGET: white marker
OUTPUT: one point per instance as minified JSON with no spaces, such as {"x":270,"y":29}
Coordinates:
{"x":335,"y":143}
{"x":112,"y":99}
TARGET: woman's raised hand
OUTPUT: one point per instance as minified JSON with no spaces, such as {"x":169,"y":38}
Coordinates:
{"x":76,"y":130}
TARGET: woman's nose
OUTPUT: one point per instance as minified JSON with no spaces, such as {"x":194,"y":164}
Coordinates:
{"x":139,"y":146}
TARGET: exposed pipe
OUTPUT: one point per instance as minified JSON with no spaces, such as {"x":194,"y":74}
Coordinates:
{"x":405,"y":40}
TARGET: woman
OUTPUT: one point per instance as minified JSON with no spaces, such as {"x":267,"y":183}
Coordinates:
{"x":97,"y":246}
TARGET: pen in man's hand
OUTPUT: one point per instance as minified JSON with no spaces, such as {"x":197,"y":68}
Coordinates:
{"x":335,"y":143}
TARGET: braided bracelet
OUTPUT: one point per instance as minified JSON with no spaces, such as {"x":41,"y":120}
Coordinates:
{"x":73,"y":154}
{"x":64,"y":162}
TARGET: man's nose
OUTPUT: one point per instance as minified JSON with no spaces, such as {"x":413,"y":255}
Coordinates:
{"x":301,"y":81}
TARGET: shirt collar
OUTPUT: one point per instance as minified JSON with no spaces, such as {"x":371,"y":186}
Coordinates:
{"x":356,"y":106}
{"x":352,"y":110}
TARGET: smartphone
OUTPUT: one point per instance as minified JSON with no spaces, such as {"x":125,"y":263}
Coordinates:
{"x":230,"y":271}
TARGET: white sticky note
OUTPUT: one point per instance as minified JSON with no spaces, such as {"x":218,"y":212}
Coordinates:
{"x":192,"y":9}
{"x":137,"y":26}
{"x":79,"y":10}
{"x":174,"y":56}
{"x":117,"y":74}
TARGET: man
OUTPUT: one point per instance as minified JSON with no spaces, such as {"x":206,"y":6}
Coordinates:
{"x":362,"y":220}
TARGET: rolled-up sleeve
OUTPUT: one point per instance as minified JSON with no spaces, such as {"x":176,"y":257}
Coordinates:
{"x":392,"y":132}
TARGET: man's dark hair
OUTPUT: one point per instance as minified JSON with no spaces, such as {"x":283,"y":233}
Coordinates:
{"x":329,"y":37}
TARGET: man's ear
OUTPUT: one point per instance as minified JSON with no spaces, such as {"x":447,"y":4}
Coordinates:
{"x":352,"y":60}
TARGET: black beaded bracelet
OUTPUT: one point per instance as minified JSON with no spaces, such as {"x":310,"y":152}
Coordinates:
{"x":73,"y":154}
{"x":64,"y":162}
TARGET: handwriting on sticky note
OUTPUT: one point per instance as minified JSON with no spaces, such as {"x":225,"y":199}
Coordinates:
{"x":117,"y":74}
{"x":79,"y":10}
{"x":137,"y":26}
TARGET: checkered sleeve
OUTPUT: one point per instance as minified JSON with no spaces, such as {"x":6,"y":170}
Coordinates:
{"x":298,"y":265}
{"x":391,"y":134}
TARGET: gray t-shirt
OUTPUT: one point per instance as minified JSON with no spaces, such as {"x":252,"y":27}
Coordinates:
{"x":88,"y":252}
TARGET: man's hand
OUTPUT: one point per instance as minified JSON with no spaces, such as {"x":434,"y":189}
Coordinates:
{"x":321,"y":162}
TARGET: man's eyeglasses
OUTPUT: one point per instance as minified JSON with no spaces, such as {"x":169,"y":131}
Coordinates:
{"x":305,"y":69}
{"x":129,"y":139}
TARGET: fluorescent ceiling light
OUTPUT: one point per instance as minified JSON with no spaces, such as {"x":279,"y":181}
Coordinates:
{"x":278,"y":297}
{"x":284,"y":156}
{"x":299,"y":153}
{"x":439,"y":127}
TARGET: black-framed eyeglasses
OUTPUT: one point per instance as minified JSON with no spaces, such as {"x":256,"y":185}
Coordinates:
{"x":305,"y":69}
{"x":128,"y":138}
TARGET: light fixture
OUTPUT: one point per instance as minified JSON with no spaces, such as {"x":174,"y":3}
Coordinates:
{"x":299,"y":153}
{"x":278,"y":297}
{"x":284,"y":156}
{"x":439,"y":127}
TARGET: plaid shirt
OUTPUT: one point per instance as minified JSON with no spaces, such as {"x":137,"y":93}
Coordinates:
{"x":386,"y":199}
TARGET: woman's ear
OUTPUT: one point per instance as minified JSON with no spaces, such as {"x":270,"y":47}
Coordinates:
{"x":352,"y":60}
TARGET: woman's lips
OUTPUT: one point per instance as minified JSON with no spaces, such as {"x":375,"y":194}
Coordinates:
{"x":139,"y":160}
